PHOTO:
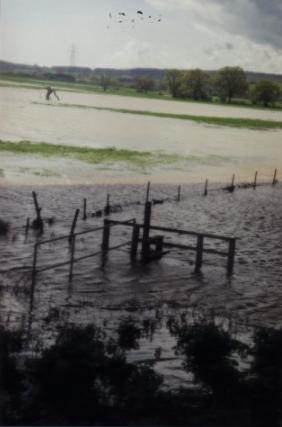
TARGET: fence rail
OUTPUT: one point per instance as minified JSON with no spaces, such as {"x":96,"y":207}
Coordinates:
{"x":152,"y":247}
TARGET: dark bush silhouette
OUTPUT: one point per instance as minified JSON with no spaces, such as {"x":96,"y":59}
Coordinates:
{"x":266,"y":384}
{"x":11,"y":378}
{"x":77,"y":381}
{"x":210,"y":354}
{"x":85,"y":379}
{"x":129,"y":334}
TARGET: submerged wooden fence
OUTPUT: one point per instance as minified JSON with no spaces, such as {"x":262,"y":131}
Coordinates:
{"x":152,"y":246}
{"x":71,"y":238}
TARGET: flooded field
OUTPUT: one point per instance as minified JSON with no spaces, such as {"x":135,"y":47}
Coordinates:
{"x":251,"y":297}
{"x":209,"y":151}
{"x":106,"y":294}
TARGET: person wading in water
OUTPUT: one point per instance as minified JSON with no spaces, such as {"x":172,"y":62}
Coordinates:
{"x":49,"y":93}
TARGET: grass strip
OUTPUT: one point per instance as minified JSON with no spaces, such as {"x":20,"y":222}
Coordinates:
{"x":140,"y":159}
{"x":256,"y":124}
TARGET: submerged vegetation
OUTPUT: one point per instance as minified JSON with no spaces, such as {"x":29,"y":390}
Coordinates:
{"x":84,"y":378}
{"x":257,"y":124}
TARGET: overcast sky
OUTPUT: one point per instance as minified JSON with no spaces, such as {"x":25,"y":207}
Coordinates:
{"x":192,"y":33}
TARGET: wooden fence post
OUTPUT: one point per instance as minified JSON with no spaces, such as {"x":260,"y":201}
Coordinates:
{"x":148,"y":192}
{"x":73,"y":225}
{"x":134,"y":242}
{"x":37,"y":224}
{"x":199,"y":253}
{"x":178,"y":193}
{"x":206,"y":188}
{"x":72,"y":256}
{"x":231,"y":256}
{"x":146,"y":229}
{"x":107,"y":209}
{"x":33,"y":275}
{"x":84,"y":209}
{"x":255,"y":180}
{"x":274,"y":181}
{"x":232,"y":186}
{"x":106,"y":237}
{"x":36,"y":205}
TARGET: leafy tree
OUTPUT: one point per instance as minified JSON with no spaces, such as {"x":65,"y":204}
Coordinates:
{"x":195,"y":85}
{"x":230,"y":82}
{"x":173,"y":79}
{"x":266,"y":92}
{"x":144,"y":84}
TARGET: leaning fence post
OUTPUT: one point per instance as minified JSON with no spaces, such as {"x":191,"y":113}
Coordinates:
{"x":206,"y":188}
{"x":73,"y":225}
{"x":231,"y":256}
{"x":274,"y":181}
{"x":106,"y":237}
{"x":33,"y":275}
{"x":255,"y":180}
{"x":199,"y":253}
{"x":72,"y":256}
{"x":134,"y":241}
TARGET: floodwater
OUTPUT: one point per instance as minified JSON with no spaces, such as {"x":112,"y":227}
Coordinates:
{"x":210,"y":151}
{"x":251,"y":297}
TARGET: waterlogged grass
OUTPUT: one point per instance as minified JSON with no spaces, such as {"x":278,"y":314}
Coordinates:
{"x":140,"y":159}
{"x":256,"y":124}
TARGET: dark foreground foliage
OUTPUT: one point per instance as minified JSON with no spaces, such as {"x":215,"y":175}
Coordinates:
{"x":85,"y":379}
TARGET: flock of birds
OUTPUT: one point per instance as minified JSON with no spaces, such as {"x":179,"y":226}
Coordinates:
{"x":122,"y":17}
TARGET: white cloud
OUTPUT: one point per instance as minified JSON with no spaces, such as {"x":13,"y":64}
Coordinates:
{"x":193,"y":33}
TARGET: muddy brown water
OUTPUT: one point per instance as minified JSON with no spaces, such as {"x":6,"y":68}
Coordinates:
{"x":252,"y":297}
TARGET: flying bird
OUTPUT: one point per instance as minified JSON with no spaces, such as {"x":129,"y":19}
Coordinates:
{"x":121,"y":17}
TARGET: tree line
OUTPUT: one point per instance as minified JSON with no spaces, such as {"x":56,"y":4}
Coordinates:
{"x":226,"y":85}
